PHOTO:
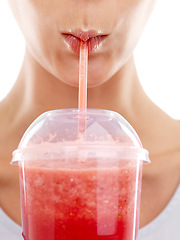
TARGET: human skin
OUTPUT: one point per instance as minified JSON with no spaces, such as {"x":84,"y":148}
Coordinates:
{"x":122,"y":20}
{"x":48,"y":80}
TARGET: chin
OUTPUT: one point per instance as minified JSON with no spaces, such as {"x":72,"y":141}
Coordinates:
{"x":96,"y":80}
{"x":93,"y":80}
{"x":94,"y":84}
{"x":90,"y":84}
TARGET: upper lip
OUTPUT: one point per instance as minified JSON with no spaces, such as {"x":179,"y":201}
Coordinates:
{"x":84,"y":35}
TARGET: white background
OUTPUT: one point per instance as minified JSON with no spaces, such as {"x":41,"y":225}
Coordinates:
{"x":157,"y":55}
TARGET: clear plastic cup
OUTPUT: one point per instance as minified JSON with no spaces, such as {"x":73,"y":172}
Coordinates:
{"x":76,"y":188}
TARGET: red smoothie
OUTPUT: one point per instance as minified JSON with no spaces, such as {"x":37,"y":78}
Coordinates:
{"x":93,"y":203}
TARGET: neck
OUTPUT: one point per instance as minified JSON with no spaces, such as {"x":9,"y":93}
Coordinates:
{"x":40,"y":91}
{"x":36,"y":91}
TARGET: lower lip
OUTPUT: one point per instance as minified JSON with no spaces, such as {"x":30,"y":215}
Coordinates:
{"x":73,"y":43}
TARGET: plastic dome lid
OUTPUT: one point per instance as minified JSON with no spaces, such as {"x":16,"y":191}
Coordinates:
{"x":55,"y":132}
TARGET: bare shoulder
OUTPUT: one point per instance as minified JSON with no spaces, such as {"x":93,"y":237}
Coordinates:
{"x":159,"y":183}
{"x":5,"y":118}
{"x":175,"y":153}
{"x":9,"y":185}
{"x":162,"y":176}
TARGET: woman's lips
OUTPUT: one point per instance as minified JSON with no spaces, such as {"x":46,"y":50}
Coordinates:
{"x":74,"y":39}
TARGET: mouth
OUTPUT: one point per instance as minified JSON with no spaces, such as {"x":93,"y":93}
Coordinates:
{"x":94,"y":40}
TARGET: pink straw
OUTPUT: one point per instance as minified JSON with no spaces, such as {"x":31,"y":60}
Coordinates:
{"x":83,"y":66}
{"x":82,"y":103}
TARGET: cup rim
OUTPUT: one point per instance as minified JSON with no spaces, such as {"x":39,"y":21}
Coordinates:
{"x":82,"y":150}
